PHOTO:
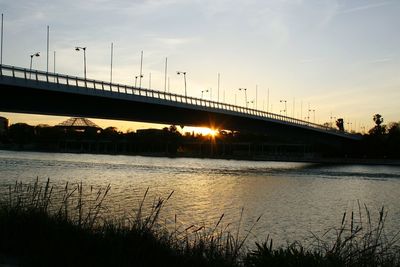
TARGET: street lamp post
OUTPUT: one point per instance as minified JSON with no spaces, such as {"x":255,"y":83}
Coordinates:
{"x":184,"y":79}
{"x":349,"y":125}
{"x":218,"y":88}
{"x":251,"y":102}
{"x":47,"y":57}
{"x":78,"y":48}
{"x":285,"y":109}
{"x":165,"y":74}
{"x":313,"y":111}
{"x":150,"y":80}
{"x":1,"y":40}
{"x":313,"y":115}
{"x":245,"y":94}
{"x":136,"y":77}
{"x":111,"y":65}
{"x":37,"y":54}
{"x":332,"y":120}
{"x":202,"y":92}
{"x":141,"y":68}
{"x":256,"y":96}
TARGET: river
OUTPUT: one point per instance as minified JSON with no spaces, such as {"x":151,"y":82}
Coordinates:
{"x":293,"y":199}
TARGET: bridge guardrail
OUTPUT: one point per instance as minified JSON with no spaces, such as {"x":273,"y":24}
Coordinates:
{"x":42,"y":76}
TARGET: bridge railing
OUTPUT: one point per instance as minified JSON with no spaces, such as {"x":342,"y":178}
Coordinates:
{"x":91,"y":84}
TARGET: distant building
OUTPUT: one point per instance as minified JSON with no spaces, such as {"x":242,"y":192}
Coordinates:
{"x":79,"y":125}
{"x":3,"y":125}
{"x":150,"y":132}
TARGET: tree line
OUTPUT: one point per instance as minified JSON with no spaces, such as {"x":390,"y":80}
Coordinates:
{"x":381,"y":141}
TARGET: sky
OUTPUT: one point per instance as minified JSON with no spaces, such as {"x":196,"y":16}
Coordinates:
{"x":340,"y":58}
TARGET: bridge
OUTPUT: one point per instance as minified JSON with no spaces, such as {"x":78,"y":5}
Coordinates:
{"x":37,"y":92}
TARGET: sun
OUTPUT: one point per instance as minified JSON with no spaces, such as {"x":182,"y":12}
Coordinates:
{"x":202,"y":131}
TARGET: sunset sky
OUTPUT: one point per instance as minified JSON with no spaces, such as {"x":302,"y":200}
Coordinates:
{"x":340,"y":58}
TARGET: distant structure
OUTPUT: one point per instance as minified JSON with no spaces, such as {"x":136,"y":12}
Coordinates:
{"x":150,"y":132}
{"x":3,"y":125}
{"x":79,"y":125}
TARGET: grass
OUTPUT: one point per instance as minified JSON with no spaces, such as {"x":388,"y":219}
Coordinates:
{"x":356,"y":242}
{"x":42,"y":226}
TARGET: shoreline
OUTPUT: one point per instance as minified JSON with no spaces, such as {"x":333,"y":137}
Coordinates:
{"x":307,"y":159}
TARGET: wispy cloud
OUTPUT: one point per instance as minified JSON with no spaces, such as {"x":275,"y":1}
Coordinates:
{"x":381,"y":60}
{"x":311,"y":60}
{"x":365,"y":7}
{"x":334,"y":8}
{"x":174,"y":41}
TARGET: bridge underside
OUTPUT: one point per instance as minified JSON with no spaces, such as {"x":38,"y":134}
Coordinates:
{"x":37,"y":101}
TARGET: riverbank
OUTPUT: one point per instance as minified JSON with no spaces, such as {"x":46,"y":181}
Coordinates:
{"x":45,"y":226}
{"x":307,"y":158}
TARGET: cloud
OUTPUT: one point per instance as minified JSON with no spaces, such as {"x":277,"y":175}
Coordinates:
{"x":365,"y":7}
{"x":332,"y":9}
{"x":328,"y":12}
{"x":311,"y":60}
{"x":381,"y":60}
{"x":174,"y":41}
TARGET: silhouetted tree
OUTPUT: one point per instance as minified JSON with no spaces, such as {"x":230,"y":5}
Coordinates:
{"x":394,"y":128}
{"x":111,"y":129}
{"x":393,"y":140}
{"x":173,"y":129}
{"x":340,"y":124}
{"x":173,"y":138}
{"x":382,"y":143}
{"x":21,"y":133}
{"x":110,"y":132}
{"x":378,"y":119}
{"x":46,"y":133}
{"x":378,"y":128}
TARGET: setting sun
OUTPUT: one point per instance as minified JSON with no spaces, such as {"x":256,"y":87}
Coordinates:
{"x":202,"y":130}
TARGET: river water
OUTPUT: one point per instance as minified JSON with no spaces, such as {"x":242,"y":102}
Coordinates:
{"x":293,"y":199}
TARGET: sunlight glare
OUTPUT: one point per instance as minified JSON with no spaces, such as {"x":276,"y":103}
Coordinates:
{"x":204,"y":131}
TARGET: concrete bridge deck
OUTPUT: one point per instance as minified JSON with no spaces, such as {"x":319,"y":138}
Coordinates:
{"x":38,"y":92}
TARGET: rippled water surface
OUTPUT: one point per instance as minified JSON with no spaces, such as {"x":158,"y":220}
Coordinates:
{"x":294,"y":199}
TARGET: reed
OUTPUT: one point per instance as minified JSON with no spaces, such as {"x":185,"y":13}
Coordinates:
{"x":44,"y":226}
{"x":356,"y":242}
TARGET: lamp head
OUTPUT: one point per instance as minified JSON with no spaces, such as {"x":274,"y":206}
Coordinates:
{"x":35,"y":54}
